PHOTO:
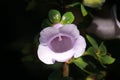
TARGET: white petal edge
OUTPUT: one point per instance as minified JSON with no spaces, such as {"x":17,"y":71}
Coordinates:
{"x":65,"y":56}
{"x":79,"y":47}
{"x":45,"y":54}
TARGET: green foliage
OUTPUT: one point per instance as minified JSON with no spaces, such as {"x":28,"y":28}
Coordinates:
{"x":79,"y":62}
{"x":98,"y":76}
{"x":92,"y":42}
{"x":67,"y":18}
{"x":73,"y":4}
{"x":90,"y":51}
{"x":83,"y":10}
{"x":102,"y":49}
{"x":106,"y":59}
{"x":54,"y":16}
{"x":99,"y":52}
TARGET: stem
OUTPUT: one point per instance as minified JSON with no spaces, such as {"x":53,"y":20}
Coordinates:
{"x":65,"y":70}
{"x":73,"y":4}
{"x":88,"y":72}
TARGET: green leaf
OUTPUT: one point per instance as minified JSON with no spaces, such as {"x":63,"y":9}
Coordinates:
{"x":90,"y":51}
{"x":92,"y":42}
{"x":106,"y":59}
{"x":54,"y":16}
{"x":45,"y":23}
{"x":102,"y":48}
{"x":67,"y":18}
{"x":56,"y":75}
{"x":83,"y":10}
{"x":79,"y":62}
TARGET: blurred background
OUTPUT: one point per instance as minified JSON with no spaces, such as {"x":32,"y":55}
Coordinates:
{"x":20,"y":25}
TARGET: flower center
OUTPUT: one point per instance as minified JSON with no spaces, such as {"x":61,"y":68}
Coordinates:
{"x":61,"y":44}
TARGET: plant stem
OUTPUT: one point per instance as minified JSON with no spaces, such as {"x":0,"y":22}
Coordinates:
{"x":73,"y":4}
{"x":65,"y":69}
{"x":88,"y":72}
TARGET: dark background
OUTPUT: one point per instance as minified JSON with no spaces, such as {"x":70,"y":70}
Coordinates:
{"x":18,"y":28}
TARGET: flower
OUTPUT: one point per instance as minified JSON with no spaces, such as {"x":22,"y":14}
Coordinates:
{"x":60,"y":43}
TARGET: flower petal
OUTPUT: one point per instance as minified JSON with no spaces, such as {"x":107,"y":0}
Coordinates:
{"x":47,"y":33}
{"x":79,"y":46}
{"x":57,"y":26}
{"x":70,"y":29}
{"x":45,"y":54}
{"x":65,"y":56}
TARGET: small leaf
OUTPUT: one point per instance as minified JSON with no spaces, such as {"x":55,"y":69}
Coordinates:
{"x":54,"y":16}
{"x":56,"y":75}
{"x":45,"y":23}
{"x":102,"y":48}
{"x":67,"y":18}
{"x":92,"y":42}
{"x":90,"y":51}
{"x":83,"y":10}
{"x":79,"y":62}
{"x":106,"y":59}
